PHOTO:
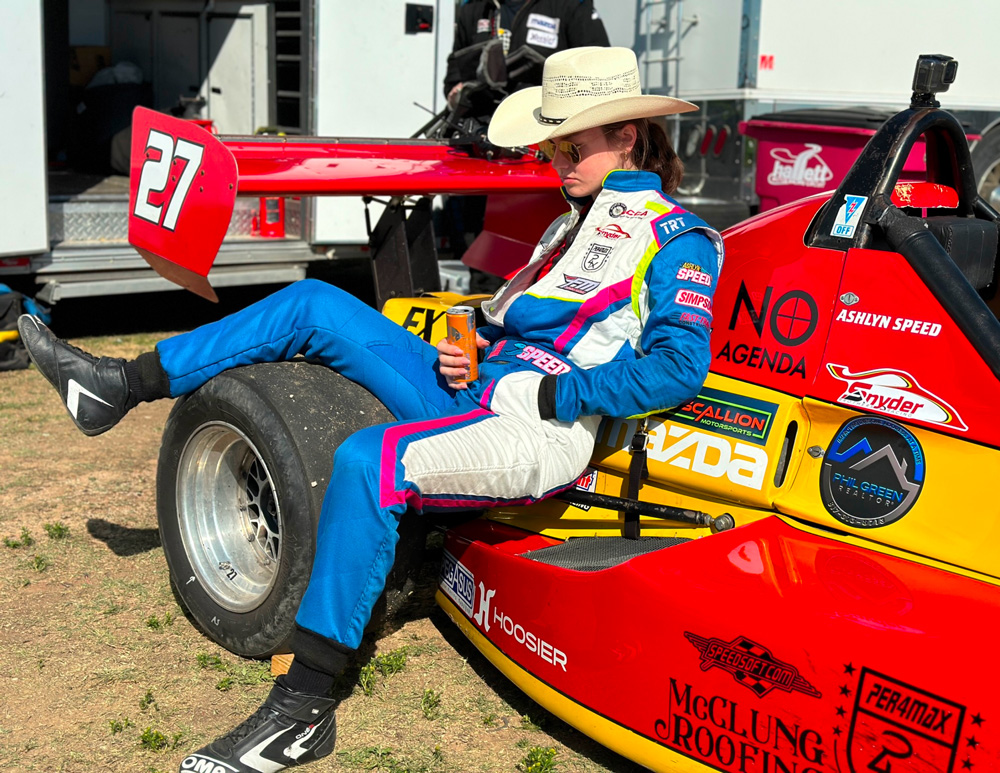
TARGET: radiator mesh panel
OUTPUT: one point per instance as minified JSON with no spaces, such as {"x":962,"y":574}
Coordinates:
{"x":591,"y":554}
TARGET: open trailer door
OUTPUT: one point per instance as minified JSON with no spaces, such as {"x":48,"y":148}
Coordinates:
{"x":23,"y":215}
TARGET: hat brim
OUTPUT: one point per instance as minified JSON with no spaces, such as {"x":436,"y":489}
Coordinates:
{"x":517,"y":120}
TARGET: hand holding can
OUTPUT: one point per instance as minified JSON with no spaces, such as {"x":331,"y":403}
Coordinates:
{"x":462,"y":333}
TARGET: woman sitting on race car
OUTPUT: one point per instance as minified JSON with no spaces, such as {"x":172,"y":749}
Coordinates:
{"x":611,"y":317}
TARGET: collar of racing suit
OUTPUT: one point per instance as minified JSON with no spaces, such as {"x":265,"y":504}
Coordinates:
{"x":623,"y":180}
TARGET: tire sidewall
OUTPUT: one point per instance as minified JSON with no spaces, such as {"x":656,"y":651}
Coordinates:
{"x":986,"y":155}
{"x":265,"y":629}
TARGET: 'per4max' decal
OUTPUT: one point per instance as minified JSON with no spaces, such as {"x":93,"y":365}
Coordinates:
{"x":897,"y":726}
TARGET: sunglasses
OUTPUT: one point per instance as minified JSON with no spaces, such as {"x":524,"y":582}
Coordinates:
{"x":569,"y":149}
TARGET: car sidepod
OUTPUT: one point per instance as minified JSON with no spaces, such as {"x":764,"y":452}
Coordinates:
{"x":771,"y":647}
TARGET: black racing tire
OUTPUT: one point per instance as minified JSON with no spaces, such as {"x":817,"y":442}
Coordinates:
{"x":244,"y":464}
{"x":986,"y":163}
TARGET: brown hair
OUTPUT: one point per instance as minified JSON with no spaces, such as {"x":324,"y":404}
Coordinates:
{"x":652,"y":151}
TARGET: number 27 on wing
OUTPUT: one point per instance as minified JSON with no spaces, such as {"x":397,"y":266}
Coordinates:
{"x":158,"y":172}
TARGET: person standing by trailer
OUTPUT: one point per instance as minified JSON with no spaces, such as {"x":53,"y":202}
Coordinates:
{"x":546,"y":26}
{"x":611,"y":317}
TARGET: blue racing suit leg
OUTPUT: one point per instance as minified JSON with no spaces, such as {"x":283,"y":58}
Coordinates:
{"x":324,"y":324}
{"x":468,"y":457}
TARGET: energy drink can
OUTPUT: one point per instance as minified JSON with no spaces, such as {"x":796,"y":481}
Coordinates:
{"x":462,"y":333}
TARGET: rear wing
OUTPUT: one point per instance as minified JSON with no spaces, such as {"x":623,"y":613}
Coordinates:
{"x":184,"y":182}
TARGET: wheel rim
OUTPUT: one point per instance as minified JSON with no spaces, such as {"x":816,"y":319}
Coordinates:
{"x":229,"y":516}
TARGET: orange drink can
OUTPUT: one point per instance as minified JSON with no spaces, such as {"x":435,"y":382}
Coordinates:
{"x":462,"y":333}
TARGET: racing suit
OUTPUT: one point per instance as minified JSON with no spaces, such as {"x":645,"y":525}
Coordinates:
{"x":618,"y":327}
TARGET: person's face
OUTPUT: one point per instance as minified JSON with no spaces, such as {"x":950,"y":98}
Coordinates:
{"x":599,"y":154}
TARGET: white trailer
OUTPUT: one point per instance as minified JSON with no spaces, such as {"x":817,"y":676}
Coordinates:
{"x":739,"y":59}
{"x":327,"y":67}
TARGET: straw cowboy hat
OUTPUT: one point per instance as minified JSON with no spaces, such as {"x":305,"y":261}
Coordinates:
{"x":581,"y":88}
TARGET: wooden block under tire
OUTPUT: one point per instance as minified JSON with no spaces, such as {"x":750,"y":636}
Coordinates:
{"x":281,"y":663}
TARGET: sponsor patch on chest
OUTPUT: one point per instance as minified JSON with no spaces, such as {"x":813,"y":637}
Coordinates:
{"x":578,"y":284}
{"x":538,"y":21}
{"x":543,"y":39}
{"x":483,"y":25}
{"x":613,"y":231}
{"x":620,"y":210}
{"x":596,"y":256}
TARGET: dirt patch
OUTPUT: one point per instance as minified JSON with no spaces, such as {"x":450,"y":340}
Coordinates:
{"x":100,"y":670}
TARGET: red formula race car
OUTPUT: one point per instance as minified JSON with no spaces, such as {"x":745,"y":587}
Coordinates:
{"x":790,"y":573}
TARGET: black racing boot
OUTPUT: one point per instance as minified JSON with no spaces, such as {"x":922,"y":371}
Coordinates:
{"x":289,"y":729}
{"x":94,"y":391}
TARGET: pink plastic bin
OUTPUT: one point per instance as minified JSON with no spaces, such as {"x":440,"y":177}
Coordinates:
{"x":802,"y":152}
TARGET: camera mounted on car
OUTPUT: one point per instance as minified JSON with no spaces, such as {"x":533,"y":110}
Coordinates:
{"x":933,"y":75}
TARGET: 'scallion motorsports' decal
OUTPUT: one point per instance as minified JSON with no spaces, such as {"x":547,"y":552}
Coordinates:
{"x":728,"y":414}
{"x":899,"y":727}
{"x":872,"y":472}
{"x":751,"y":665}
{"x":896,"y":393}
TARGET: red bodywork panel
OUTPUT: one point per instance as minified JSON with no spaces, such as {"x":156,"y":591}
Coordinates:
{"x":736,"y":650}
{"x":513,"y":226}
{"x":773,"y":304}
{"x":858,"y":328}
{"x":905,"y":355}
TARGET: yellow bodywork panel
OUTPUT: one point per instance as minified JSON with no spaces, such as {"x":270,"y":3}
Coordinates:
{"x":955,"y":517}
{"x":425,"y":316}
{"x":697,"y":460}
